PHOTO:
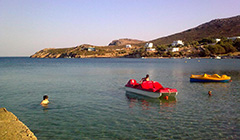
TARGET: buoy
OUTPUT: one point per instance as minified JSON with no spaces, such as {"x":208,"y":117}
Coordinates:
{"x":210,"y":93}
{"x":166,"y":97}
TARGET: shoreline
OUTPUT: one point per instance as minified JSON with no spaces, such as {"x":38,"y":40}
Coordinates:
{"x":11,"y":128}
{"x":223,"y":57}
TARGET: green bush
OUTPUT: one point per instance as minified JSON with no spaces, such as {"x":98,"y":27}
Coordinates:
{"x":206,"y":41}
{"x":228,"y":47}
{"x":216,"y":49}
{"x":204,"y":53}
{"x":236,"y":44}
{"x":170,"y":53}
{"x":161,"y":48}
{"x":164,"y":55}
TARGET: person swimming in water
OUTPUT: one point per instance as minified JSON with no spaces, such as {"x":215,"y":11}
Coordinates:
{"x":145,"y":79}
{"x":45,"y":100}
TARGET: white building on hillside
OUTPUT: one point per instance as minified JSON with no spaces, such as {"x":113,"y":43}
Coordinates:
{"x":128,"y":46}
{"x":234,"y":37}
{"x":149,"y":47}
{"x":91,"y":49}
{"x":173,"y":49}
{"x":217,"y":40}
{"x":177,"y":42}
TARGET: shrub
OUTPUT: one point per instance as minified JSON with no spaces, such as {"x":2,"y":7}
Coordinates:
{"x":229,"y":47}
{"x":236,"y":44}
{"x":206,"y":41}
{"x":161,"y":48}
{"x":170,"y":53}
{"x":216,"y":49}
{"x":204,"y":53}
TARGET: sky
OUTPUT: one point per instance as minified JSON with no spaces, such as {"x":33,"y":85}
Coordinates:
{"x":27,"y":26}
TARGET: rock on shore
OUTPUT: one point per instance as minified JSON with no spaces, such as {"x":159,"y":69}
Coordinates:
{"x":13,"y":129}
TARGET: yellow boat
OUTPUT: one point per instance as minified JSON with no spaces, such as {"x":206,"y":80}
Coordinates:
{"x":209,"y":78}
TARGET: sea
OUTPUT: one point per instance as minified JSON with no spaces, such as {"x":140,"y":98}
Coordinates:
{"x":88,"y":100}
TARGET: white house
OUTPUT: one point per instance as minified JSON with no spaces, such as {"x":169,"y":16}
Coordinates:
{"x":173,"y":49}
{"x":91,"y":49}
{"x":234,"y":37}
{"x":151,"y":49}
{"x":148,"y":45}
{"x":217,"y":40}
{"x":177,"y":42}
{"x":128,"y":46}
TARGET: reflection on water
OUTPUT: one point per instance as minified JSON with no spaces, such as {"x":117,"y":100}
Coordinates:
{"x":147,"y":103}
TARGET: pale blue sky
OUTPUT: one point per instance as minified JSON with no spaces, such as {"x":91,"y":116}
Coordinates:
{"x":27,"y":26}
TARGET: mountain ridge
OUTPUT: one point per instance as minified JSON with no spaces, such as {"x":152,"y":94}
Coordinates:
{"x":125,"y":41}
{"x":225,"y":27}
{"x":217,"y":28}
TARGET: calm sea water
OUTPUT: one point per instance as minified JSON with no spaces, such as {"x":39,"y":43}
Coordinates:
{"x":88,"y":100}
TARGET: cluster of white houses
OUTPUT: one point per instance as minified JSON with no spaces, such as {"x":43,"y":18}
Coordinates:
{"x":175,"y":44}
{"x":149,"y":46}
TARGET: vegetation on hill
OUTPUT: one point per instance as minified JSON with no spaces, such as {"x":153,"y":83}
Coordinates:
{"x":198,"y":42}
{"x":214,"y":29}
{"x":82,"y":51}
{"x":225,"y":46}
{"x":206,"y":47}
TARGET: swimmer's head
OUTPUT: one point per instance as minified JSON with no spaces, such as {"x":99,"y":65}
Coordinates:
{"x":45,"y":97}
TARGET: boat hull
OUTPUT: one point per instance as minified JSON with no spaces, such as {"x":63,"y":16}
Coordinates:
{"x":149,"y":93}
{"x":210,"y":78}
{"x":207,"y":80}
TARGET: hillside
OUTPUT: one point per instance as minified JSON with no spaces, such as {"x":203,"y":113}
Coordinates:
{"x":82,"y":51}
{"x":125,"y":41}
{"x":217,"y":28}
{"x":226,"y":27}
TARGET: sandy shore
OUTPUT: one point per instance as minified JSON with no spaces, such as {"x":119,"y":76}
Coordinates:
{"x":13,"y":129}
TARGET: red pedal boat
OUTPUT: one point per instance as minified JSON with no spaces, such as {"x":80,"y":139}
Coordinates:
{"x":151,"y":89}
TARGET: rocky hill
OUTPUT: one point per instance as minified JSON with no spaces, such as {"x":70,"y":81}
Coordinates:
{"x":217,"y":28}
{"x":226,"y":27}
{"x":82,"y":51}
{"x":125,"y":41}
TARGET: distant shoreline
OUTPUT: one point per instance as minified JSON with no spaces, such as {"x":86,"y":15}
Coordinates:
{"x":222,"y":57}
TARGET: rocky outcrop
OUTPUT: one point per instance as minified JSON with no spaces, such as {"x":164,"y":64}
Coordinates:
{"x":82,"y":51}
{"x":124,"y":42}
{"x":58,"y":53}
{"x":11,"y":128}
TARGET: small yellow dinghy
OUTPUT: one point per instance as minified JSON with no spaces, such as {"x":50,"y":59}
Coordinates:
{"x":209,"y":78}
